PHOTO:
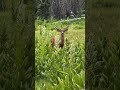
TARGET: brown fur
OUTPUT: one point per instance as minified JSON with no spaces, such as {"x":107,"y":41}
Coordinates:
{"x":52,"y":41}
{"x":61,"y":43}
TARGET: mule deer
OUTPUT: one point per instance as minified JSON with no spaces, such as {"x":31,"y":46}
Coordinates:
{"x":60,"y":41}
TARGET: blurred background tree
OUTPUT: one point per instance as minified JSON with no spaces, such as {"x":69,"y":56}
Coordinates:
{"x":59,"y":8}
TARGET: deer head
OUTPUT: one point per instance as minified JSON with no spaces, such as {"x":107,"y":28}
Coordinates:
{"x":61,"y":39}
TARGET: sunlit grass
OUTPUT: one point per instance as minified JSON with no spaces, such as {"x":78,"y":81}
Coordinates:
{"x":60,"y":69}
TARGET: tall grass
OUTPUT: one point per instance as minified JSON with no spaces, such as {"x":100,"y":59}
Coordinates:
{"x":55,"y":68}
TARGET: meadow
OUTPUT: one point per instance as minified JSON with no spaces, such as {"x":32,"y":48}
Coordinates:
{"x":55,"y":68}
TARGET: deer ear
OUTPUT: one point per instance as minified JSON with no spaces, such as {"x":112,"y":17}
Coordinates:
{"x":66,"y":29}
{"x":56,"y":29}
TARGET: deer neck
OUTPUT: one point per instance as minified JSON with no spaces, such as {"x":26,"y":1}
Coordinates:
{"x":62,"y":38}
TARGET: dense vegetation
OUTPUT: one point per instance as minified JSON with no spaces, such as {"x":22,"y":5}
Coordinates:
{"x":102,"y":45}
{"x":16,"y":40}
{"x":46,"y":9}
{"x":55,"y":68}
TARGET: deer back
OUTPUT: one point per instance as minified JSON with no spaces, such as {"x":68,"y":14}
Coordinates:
{"x":55,"y":40}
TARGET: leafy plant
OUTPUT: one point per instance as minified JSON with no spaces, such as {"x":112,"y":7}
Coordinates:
{"x":60,"y":69}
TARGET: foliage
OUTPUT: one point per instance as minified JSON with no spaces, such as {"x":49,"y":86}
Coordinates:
{"x":43,"y":8}
{"x":46,"y":9}
{"x":102,"y":46}
{"x":55,"y":68}
{"x":16,"y":40}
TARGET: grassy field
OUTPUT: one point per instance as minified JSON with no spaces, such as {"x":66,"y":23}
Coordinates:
{"x":55,"y":68}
